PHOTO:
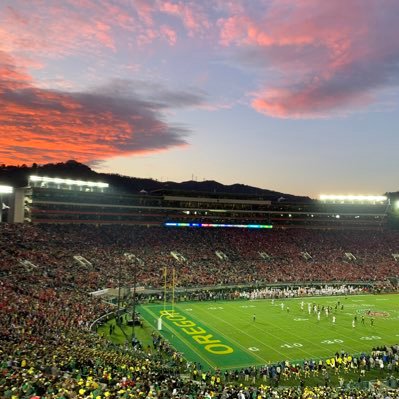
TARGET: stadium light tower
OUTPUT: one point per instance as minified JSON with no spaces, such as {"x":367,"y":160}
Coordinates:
{"x":353,"y":198}
{"x":43,"y":180}
{"x":4,"y":190}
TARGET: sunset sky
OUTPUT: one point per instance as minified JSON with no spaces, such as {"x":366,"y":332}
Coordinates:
{"x":298,"y":96}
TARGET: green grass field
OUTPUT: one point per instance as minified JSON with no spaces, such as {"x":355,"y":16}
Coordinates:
{"x":224,"y":334}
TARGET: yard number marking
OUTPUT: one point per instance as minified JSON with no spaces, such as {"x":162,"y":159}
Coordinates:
{"x":370,"y":338}
{"x":332,"y":341}
{"x":290,"y":346}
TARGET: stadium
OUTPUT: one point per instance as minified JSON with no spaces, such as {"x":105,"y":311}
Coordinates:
{"x":108,"y":294}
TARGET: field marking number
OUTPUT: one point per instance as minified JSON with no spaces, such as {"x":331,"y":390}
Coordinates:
{"x":290,"y":346}
{"x":216,"y":308}
{"x":300,"y":319}
{"x":247,"y":306}
{"x":370,"y":338}
{"x":332,"y":341}
{"x":254,"y":349}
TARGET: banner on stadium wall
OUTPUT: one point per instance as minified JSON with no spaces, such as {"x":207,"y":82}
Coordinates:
{"x":100,"y":292}
{"x":138,"y":289}
{"x":111,"y":292}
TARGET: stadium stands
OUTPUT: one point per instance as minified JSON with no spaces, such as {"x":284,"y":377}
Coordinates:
{"x":47,"y":350}
{"x":222,"y":257}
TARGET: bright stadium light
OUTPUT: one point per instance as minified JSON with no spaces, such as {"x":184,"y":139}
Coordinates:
{"x":367,"y":198}
{"x":69,"y":182}
{"x":6,"y":189}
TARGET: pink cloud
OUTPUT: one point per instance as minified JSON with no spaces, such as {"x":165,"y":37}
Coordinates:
{"x":11,"y":77}
{"x":306,"y":102}
{"x":145,"y":9}
{"x":169,"y":34}
{"x":48,"y":30}
{"x":309,"y":57}
{"x":147,"y":36}
{"x":317,"y":58}
{"x":233,"y":29}
{"x":192,"y":15}
{"x":56,"y":29}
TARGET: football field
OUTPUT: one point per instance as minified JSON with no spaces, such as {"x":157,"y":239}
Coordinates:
{"x":237,"y":334}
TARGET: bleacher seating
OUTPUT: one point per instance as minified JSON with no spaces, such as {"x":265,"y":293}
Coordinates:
{"x":45,"y":297}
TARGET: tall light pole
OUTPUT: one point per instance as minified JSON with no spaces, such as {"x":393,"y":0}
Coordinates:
{"x":135,"y":262}
{"x":4,"y":190}
{"x":138,"y":262}
{"x":119,"y":291}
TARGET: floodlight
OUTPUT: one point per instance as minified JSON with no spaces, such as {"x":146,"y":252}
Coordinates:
{"x":6,"y":189}
{"x":324,"y":197}
{"x":70,"y":182}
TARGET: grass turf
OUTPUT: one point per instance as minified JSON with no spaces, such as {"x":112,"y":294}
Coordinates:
{"x":225,"y":335}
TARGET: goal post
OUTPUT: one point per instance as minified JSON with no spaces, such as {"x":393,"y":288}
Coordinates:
{"x":172,"y":310}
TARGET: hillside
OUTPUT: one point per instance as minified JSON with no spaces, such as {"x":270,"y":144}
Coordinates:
{"x":17,"y":176}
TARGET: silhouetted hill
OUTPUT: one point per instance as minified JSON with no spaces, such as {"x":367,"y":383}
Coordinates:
{"x":17,"y":176}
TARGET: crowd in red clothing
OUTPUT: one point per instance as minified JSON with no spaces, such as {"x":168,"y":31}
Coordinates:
{"x":52,"y":247}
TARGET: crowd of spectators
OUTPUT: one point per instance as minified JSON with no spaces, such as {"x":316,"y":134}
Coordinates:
{"x":48,"y":351}
{"x":52,"y":247}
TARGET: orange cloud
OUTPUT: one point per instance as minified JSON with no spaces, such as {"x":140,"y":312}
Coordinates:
{"x":39,"y":125}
